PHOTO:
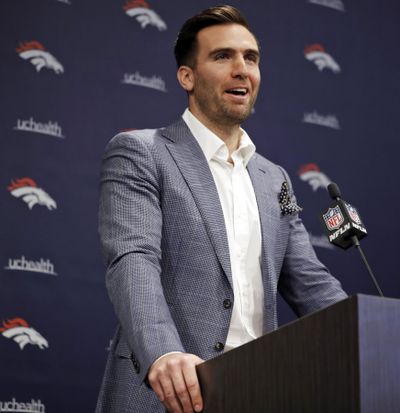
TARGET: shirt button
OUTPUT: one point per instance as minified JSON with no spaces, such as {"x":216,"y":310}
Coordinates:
{"x":227,"y":303}
{"x":219,"y":346}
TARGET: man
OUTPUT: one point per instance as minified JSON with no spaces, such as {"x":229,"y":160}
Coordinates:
{"x":199,"y":232}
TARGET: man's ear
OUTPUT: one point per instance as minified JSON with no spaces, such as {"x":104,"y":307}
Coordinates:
{"x":185,"y":78}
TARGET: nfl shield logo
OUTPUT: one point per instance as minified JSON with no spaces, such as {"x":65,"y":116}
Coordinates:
{"x":353,"y":214}
{"x":333,"y":218}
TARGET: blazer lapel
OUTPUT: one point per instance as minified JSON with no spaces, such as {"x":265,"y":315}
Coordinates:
{"x":265,"y":196}
{"x":193,"y":165}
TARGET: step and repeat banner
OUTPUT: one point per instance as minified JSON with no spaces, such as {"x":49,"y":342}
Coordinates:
{"x":74,"y":73}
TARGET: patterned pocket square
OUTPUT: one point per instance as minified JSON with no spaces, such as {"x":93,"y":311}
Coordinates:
{"x":287,"y":206}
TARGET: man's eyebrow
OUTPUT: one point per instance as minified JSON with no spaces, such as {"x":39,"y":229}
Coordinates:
{"x":231,"y":50}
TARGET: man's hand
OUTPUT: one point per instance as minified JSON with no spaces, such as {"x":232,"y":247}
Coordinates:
{"x":174,"y":380}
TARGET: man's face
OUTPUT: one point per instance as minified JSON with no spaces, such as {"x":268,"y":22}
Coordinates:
{"x":226,"y":76}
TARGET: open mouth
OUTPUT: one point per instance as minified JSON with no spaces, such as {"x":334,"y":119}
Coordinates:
{"x":237,"y":91}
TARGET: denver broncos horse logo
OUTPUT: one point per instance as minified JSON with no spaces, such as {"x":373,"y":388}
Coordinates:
{"x":26,"y":188}
{"x":38,"y":56}
{"x":19,"y":330}
{"x":312,"y":174}
{"x":317,"y":54}
{"x":140,"y":10}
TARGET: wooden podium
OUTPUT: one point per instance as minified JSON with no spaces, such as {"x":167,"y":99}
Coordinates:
{"x":343,"y":359}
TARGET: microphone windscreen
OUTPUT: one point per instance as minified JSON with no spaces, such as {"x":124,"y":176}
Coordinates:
{"x":334,"y":191}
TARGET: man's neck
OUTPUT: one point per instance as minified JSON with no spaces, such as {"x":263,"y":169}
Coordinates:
{"x":228,"y":133}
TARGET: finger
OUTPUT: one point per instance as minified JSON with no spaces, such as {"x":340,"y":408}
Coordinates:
{"x":180,"y":389}
{"x":156,"y":385}
{"x":170,"y":401}
{"x":192,"y":385}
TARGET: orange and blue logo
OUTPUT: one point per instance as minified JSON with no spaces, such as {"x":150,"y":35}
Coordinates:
{"x":312,"y":174}
{"x":317,"y":54}
{"x":140,"y":10}
{"x":27,"y":190}
{"x":19,"y":331}
{"x":34,"y":52}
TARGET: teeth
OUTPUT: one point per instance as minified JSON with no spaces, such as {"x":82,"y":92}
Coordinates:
{"x":238,"y":91}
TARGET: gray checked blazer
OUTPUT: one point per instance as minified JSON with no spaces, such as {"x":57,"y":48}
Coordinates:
{"x":168,"y":268}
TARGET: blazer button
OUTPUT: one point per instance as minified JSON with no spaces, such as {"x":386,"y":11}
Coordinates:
{"x":227,"y":303}
{"x":219,"y":346}
{"x":136,"y":365}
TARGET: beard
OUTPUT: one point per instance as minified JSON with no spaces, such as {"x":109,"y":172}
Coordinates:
{"x":221,"y":111}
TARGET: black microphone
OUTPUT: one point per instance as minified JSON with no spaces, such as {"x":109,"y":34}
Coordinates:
{"x":344,"y":226}
{"x":334,"y":191}
{"x":342,"y":221}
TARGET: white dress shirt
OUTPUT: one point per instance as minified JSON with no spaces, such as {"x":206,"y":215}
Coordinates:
{"x":242,"y":223}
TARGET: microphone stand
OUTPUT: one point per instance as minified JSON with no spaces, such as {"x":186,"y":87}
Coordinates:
{"x":335,"y":194}
{"x":356,"y":243}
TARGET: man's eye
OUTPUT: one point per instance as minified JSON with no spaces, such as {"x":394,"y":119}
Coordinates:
{"x":221,"y":56}
{"x":252,"y":58}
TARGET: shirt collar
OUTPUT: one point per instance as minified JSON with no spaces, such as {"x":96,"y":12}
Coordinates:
{"x":213,"y":146}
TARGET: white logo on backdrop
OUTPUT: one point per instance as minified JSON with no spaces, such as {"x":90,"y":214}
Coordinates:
{"x":329,"y":121}
{"x":333,"y":4}
{"x":34,"y":406}
{"x":28,"y":191}
{"x":317,"y":54}
{"x":30,"y":125}
{"x":34,"y":52}
{"x":22,"y":264}
{"x":311,"y":174}
{"x":18,"y":330}
{"x":152,"y":82}
{"x":140,"y":10}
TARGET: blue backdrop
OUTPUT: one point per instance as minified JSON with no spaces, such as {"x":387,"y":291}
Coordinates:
{"x":74,"y":73}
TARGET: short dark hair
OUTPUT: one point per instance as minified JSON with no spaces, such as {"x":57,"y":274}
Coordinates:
{"x":186,"y":43}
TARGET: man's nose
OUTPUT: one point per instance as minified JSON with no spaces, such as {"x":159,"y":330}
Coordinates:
{"x":239,"y":67}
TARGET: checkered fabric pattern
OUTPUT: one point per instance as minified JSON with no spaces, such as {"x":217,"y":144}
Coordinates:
{"x":168,"y":269}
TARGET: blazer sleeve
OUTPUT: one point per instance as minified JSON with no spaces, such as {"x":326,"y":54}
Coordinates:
{"x":130,"y":227}
{"x":305,"y":283}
